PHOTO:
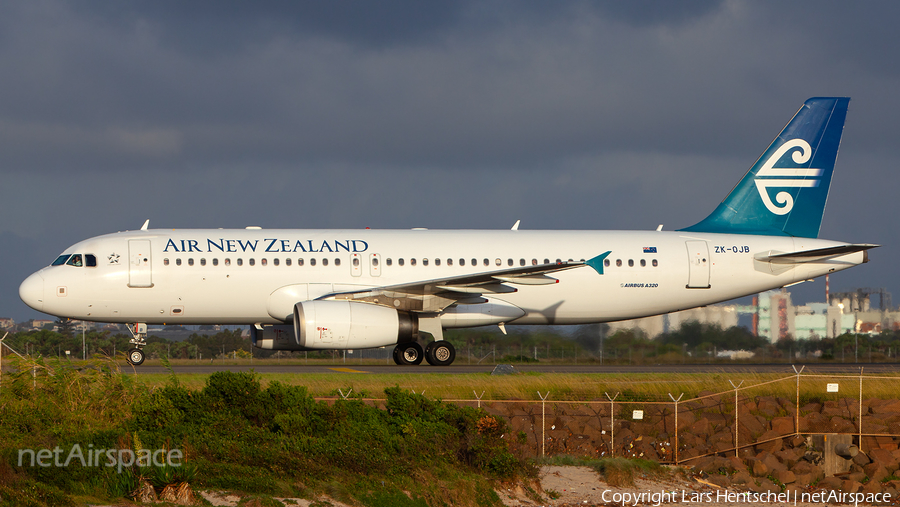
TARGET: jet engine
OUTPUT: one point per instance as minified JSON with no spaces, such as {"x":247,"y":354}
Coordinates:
{"x":329,"y":325}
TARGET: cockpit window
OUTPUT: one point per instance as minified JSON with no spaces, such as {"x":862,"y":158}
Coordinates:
{"x":90,"y":261}
{"x":61,"y":260}
{"x":76,"y":261}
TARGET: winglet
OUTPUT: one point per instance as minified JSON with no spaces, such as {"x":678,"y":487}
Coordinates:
{"x":597,"y":262}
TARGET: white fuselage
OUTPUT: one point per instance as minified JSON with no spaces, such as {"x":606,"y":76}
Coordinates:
{"x":255,"y":276}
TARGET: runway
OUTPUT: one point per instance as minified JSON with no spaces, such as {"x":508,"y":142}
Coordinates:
{"x":351,"y":369}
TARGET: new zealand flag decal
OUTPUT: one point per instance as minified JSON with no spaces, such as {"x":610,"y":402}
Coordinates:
{"x":649,"y":249}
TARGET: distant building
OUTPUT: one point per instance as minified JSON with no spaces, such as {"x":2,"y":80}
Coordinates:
{"x":7,"y":323}
{"x":724,"y":316}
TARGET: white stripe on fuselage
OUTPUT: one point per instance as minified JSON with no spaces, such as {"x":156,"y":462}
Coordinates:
{"x":240,"y":294}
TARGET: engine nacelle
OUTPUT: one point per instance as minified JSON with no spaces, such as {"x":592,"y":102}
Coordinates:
{"x":351,"y":325}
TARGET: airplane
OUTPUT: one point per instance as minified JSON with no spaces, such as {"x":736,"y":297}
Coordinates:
{"x":356,"y":289}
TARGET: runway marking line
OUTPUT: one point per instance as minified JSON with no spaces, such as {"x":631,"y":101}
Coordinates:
{"x":348,"y":370}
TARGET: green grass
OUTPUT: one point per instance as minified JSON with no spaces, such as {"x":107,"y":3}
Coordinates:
{"x":562,"y":387}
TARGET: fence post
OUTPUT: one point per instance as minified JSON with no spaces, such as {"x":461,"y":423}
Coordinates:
{"x":676,"y":423}
{"x":478,"y":397}
{"x":543,"y":422}
{"x":344,"y":396}
{"x":797,"y":413}
{"x":860,"y":408}
{"x":612,"y":422}
{"x":736,"y":412}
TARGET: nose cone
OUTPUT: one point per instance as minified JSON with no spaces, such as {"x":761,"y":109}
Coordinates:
{"x":32,"y":291}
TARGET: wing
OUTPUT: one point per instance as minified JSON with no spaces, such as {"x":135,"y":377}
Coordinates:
{"x":438,"y":293}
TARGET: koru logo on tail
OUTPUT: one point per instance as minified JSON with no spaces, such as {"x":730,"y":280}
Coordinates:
{"x":783,"y":177}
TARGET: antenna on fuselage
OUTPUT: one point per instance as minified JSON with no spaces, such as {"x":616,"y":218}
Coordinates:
{"x":515,"y":226}
{"x":146,"y":225}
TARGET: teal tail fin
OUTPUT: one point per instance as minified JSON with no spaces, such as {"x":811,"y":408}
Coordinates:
{"x":785,"y":191}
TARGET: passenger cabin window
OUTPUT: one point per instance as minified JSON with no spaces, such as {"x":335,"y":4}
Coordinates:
{"x":252,"y":261}
{"x":287,"y":262}
{"x":437,"y":262}
{"x":389,"y":261}
{"x":630,"y":263}
{"x":263,"y":262}
{"x":355,"y":261}
{"x":191,"y":261}
{"x":449,"y":262}
{"x":424,"y":261}
{"x":275,"y":261}
{"x":165,"y":262}
{"x":474,"y":262}
{"x":228,"y":262}
{"x":655,"y":263}
{"x":216,"y":261}
{"x":521,"y":262}
{"x":178,"y":262}
{"x":203,"y":262}
{"x":300,"y":261}
{"x":618,"y":263}
{"x":509,"y":262}
{"x":498,"y":261}
{"x":324,"y":262}
{"x":546,"y":261}
{"x":400,"y":261}
{"x":643,"y":263}
{"x":337,"y":262}
{"x":312,"y":262}
{"x":487,"y":262}
{"x":412,"y":262}
{"x":606,"y":262}
{"x":462,"y":262}
{"x":240,"y":262}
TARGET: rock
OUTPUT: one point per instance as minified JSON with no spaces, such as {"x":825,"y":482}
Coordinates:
{"x":884,"y":458}
{"x":768,"y":406}
{"x":875,"y":472}
{"x":757,"y":467}
{"x":785,"y":476}
{"x":504,"y":369}
{"x":841,"y":425}
{"x":796,"y":441}
{"x":789,"y":457}
{"x":782,"y":425}
{"x":742,"y":478}
{"x":831,"y":483}
{"x":774,"y":443}
{"x":811,"y":408}
{"x":850,"y":486}
{"x":861,"y":459}
{"x":700,"y":427}
{"x":720,"y":480}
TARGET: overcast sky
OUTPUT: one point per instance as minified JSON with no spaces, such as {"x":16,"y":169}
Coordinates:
{"x":399,"y":114}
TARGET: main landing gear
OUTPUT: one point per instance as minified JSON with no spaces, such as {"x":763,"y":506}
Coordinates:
{"x":139,"y":340}
{"x":437,"y":353}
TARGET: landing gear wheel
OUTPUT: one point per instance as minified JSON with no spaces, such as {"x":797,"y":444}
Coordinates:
{"x":408,"y":354}
{"x":136,"y":356}
{"x":440,"y":353}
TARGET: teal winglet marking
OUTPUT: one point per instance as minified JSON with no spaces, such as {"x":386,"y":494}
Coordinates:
{"x":597,"y":262}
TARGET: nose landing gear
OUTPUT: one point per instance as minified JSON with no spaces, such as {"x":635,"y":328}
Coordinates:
{"x":138,"y":331}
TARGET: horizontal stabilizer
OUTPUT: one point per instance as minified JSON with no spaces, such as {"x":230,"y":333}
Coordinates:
{"x":814,"y":255}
